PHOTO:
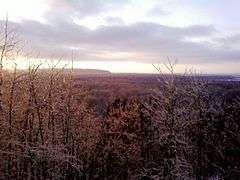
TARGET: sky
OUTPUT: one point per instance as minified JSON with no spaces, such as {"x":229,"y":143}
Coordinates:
{"x":129,"y":35}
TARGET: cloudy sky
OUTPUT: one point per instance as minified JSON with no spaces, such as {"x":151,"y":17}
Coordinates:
{"x":130,"y":35}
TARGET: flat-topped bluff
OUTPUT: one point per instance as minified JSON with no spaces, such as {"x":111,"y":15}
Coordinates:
{"x":75,"y":71}
{"x":87,"y":71}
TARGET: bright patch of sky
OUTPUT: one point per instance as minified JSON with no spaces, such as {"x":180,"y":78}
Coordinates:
{"x":195,"y":29}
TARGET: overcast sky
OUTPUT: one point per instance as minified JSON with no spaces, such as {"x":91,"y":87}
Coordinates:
{"x":130,"y":35}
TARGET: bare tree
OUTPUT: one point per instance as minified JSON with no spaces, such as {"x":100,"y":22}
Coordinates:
{"x":8,"y":43}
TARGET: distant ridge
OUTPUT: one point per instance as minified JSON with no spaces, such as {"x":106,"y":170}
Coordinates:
{"x":82,"y":71}
{"x":88,"y":71}
{"x":75,"y":71}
